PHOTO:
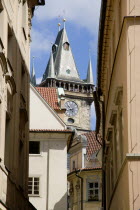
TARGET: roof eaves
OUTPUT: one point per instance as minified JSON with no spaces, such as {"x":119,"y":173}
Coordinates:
{"x":85,"y":169}
{"x":49,"y":131}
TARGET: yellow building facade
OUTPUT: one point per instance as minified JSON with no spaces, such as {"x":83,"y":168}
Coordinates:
{"x":85,"y":175}
{"x":119,"y":100}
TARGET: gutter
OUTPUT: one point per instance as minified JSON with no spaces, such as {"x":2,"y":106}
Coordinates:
{"x":81,"y":189}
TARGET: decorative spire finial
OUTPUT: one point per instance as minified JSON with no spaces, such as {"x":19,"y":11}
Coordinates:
{"x":64,"y":20}
{"x":89,"y":71}
{"x":59,"y":24}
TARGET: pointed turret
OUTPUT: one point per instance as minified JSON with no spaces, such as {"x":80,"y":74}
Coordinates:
{"x":32,"y":76}
{"x":50,"y":72}
{"x":90,"y":74}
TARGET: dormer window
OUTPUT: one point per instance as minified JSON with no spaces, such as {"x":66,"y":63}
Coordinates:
{"x":66,"y":46}
{"x":54,"y":47}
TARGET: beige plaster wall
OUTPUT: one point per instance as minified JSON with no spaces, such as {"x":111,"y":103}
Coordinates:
{"x":15,"y":22}
{"x":120,"y":196}
{"x":121,"y":69}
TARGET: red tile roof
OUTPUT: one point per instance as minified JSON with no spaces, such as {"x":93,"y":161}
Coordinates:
{"x":49,"y":95}
{"x":93,"y":145}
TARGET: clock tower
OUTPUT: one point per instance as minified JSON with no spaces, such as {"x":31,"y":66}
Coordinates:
{"x":61,"y":72}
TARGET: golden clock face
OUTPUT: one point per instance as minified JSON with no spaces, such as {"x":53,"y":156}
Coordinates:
{"x":71,"y":108}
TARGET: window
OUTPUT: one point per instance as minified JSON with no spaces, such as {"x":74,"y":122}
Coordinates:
{"x":73,"y":165}
{"x":24,"y":19}
{"x":8,"y":130}
{"x":68,"y":71}
{"x":11,"y":48}
{"x":70,"y":120}
{"x":1,"y":21}
{"x":121,"y":134}
{"x":93,"y":191}
{"x":21,"y":164}
{"x":34,"y":147}
{"x":54,"y":47}
{"x":23,"y":81}
{"x":120,"y":13}
{"x":7,"y":141}
{"x":33,"y":186}
{"x":66,"y":46}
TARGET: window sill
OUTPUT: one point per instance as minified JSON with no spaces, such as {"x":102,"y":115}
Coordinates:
{"x":38,"y":196}
{"x":35,"y":155}
{"x":94,"y":201}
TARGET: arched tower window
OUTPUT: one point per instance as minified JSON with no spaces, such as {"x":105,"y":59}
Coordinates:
{"x":66,"y":46}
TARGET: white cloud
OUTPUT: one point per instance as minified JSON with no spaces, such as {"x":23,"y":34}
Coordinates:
{"x":41,"y":41}
{"x":84,"y":13}
{"x":38,"y":80}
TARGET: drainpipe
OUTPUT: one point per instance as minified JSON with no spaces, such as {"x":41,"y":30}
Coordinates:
{"x":103,"y":151}
{"x":81,"y":189}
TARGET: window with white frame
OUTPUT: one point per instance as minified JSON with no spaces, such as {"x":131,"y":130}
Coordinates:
{"x":93,"y":191}
{"x":33,"y":186}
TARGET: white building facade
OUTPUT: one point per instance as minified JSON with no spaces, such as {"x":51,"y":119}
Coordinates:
{"x":47,"y":156}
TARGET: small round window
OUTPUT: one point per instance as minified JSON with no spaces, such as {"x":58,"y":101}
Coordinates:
{"x":70,"y":120}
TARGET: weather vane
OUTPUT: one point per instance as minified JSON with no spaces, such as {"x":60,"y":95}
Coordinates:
{"x":33,"y":60}
{"x":64,"y":19}
{"x":89,"y":51}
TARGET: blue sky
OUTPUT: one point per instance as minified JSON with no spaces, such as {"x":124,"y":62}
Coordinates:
{"x":82,"y":28}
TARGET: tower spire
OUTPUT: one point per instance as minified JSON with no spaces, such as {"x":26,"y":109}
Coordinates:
{"x":51,"y":72}
{"x":89,"y":72}
{"x":32,"y":76}
{"x":62,"y":65}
